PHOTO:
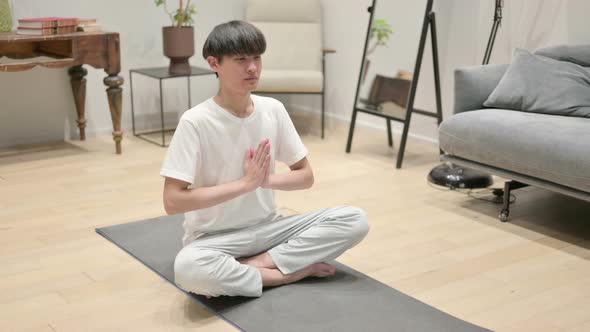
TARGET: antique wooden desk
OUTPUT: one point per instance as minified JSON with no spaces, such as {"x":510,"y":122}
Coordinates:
{"x":97,"y":49}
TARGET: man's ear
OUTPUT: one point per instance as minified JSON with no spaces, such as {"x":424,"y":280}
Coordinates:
{"x":213,"y":63}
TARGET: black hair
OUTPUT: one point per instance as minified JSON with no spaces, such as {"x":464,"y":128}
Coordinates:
{"x":234,"y":38}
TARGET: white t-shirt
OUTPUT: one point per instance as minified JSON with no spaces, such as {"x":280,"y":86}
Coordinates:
{"x":208,"y":148}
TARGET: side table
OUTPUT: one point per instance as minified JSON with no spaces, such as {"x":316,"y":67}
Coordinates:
{"x":100,"y":50}
{"x":161,"y":73}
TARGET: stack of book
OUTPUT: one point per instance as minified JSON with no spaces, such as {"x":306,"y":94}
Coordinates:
{"x":88,"y":25}
{"x":43,"y":26}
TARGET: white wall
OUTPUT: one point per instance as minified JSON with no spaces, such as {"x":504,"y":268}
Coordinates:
{"x":33,"y":106}
{"x":37,"y":106}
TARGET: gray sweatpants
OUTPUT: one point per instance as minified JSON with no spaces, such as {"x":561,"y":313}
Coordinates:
{"x":208,"y":265}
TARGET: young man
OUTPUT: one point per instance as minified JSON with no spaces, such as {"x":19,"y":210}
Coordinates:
{"x":219,"y":172}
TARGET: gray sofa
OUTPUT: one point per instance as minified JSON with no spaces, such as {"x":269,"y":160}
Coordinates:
{"x":541,"y":150}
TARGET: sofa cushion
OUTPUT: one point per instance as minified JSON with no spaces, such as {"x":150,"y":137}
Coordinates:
{"x":549,"y":147}
{"x":578,"y":54}
{"x":535,"y":83}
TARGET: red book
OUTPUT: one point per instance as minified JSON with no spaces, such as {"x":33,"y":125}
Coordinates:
{"x":47,"y":22}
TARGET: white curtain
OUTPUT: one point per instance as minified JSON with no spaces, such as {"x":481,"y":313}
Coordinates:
{"x":528,"y":24}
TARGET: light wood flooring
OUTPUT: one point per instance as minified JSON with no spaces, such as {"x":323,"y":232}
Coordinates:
{"x":444,"y":248}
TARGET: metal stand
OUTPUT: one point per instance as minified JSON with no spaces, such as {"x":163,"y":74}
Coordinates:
{"x":495,"y":27}
{"x":429,"y":21}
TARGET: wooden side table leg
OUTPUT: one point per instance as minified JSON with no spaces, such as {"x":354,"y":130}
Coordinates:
{"x":78,"y":82}
{"x":115,"y":94}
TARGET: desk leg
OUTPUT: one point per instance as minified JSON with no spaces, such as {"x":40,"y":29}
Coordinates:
{"x":114,"y":93}
{"x":78,"y":82}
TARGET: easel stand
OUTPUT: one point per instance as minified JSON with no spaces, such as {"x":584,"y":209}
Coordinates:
{"x":428,"y":22}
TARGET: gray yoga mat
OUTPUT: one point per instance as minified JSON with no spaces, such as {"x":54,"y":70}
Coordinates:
{"x":348,"y":301}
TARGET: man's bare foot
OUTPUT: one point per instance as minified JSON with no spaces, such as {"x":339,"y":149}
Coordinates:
{"x":274,"y":277}
{"x":322,"y":270}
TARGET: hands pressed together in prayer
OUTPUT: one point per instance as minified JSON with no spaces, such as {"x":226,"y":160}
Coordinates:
{"x":257,"y":166}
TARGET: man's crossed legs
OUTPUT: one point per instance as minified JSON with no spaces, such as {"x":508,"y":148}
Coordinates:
{"x":241,"y":262}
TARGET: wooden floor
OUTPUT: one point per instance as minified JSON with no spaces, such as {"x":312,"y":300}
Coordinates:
{"x":444,"y":248}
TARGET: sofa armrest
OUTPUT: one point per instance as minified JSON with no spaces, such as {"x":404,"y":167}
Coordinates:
{"x":474,"y":84}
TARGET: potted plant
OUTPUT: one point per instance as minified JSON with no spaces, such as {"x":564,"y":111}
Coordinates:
{"x":178,"y":38}
{"x":378,"y":36}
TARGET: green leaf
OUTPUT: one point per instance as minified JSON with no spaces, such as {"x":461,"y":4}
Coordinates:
{"x":186,"y":13}
{"x":380,"y":30}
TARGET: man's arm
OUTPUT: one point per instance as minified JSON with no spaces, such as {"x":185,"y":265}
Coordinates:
{"x":300,"y":177}
{"x":179,"y":198}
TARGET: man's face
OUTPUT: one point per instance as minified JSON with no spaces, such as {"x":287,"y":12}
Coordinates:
{"x":238,"y":73}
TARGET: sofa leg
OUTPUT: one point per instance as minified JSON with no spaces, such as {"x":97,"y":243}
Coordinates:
{"x":504,"y":214}
{"x":508,"y":186}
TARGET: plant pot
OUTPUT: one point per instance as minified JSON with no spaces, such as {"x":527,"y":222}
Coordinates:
{"x":179,"y":46}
